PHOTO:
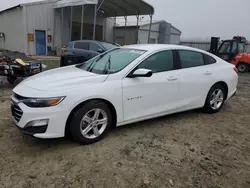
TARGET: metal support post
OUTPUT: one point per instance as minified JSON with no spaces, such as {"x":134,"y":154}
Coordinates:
{"x":82,"y":22}
{"x":94,"y":22}
{"x":137,"y":29}
{"x":114,"y":31}
{"x":54,"y":29}
{"x":62,"y":28}
{"x":125,"y":32}
{"x":150,"y":26}
{"x":71,"y":23}
{"x":100,"y":5}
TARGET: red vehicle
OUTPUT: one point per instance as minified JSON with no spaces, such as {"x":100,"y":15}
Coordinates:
{"x":232,"y":51}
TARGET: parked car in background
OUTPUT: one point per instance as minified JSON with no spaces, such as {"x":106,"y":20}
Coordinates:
{"x":122,"y":86}
{"x":83,"y":50}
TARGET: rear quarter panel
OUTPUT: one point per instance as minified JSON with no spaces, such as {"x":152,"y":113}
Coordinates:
{"x":224,"y":72}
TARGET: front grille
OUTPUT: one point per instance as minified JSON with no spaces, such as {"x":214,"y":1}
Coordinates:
{"x":16,"y":111}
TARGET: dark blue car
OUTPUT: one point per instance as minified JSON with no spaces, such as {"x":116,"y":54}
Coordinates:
{"x":83,"y":50}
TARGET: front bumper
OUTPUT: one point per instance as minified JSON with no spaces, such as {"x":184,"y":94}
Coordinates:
{"x":23,"y":116}
{"x":31,"y":131}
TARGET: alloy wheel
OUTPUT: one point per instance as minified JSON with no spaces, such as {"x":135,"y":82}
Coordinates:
{"x":93,"y":123}
{"x":216,"y":99}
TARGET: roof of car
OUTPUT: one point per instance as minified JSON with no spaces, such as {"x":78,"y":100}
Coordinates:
{"x":97,"y":41}
{"x":153,"y":47}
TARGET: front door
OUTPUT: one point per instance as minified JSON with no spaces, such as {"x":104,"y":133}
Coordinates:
{"x":149,"y":96}
{"x":40,"y":39}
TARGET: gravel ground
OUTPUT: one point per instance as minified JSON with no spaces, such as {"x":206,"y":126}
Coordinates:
{"x":190,"y":149}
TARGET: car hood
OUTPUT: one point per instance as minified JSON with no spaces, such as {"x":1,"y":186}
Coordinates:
{"x":62,"y":78}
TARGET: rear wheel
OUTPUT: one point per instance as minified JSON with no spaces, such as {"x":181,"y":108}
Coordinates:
{"x":215,"y":99}
{"x":243,"y":67}
{"x":91,"y":122}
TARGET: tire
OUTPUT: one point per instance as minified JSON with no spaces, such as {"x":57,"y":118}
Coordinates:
{"x":243,"y":67}
{"x":211,"y":107}
{"x":84,"y":122}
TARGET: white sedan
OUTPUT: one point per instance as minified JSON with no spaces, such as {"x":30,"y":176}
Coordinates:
{"x":119,"y":87}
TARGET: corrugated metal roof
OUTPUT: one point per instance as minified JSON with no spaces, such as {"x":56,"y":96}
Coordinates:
{"x":6,"y":5}
{"x":110,"y":8}
{"x":141,"y":23}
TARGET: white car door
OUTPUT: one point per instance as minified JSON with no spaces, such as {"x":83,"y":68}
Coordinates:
{"x":151,"y":96}
{"x":196,"y":78}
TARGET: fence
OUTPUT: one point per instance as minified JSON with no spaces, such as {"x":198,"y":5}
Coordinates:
{"x":205,"y":45}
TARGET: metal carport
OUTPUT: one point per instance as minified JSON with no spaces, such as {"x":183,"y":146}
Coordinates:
{"x":109,"y":8}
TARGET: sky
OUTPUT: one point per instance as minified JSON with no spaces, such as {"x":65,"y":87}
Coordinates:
{"x":197,"y":19}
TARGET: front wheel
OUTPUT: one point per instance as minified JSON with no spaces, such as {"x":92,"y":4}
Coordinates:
{"x":215,"y":99}
{"x":243,"y":67}
{"x":91,"y":122}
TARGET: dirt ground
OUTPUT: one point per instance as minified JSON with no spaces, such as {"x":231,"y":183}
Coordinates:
{"x":190,"y":149}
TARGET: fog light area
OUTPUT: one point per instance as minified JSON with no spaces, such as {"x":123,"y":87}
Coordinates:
{"x":37,"y":123}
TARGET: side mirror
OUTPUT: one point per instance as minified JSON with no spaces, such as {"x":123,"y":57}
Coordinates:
{"x":100,"y":50}
{"x":141,"y":73}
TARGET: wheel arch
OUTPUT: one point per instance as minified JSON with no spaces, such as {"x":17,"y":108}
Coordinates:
{"x":110,"y":105}
{"x":224,"y":85}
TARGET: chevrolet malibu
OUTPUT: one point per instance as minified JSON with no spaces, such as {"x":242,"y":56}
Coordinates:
{"x":121,"y":86}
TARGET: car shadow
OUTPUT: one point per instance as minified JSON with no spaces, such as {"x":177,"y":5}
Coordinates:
{"x":159,"y":120}
{"x":67,"y":142}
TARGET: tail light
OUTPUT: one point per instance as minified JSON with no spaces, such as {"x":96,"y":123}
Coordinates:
{"x":236,"y":70}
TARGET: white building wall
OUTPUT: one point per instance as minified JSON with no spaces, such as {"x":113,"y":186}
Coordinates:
{"x":11,"y":24}
{"x":144,"y":31}
{"x":175,"y":36}
{"x":109,"y":30}
{"x":154,"y":27}
{"x":174,"y":39}
{"x":143,"y":36}
{"x":40,"y":16}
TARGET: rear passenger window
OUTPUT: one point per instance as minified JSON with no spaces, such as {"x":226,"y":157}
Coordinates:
{"x":190,"y":59}
{"x":159,"y":62}
{"x":208,"y":59}
{"x":82,"y":45}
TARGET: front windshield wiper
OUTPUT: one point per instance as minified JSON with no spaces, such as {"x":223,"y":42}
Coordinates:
{"x":107,"y":66}
{"x":92,"y":65}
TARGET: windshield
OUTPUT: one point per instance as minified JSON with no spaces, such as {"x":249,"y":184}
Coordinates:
{"x":225,"y":47}
{"x":112,"y":61}
{"x":108,"y":46}
{"x":241,"y":47}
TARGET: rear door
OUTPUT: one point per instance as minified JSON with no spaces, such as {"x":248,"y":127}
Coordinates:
{"x":196,"y":78}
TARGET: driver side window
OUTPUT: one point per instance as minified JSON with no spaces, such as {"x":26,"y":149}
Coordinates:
{"x":159,"y":62}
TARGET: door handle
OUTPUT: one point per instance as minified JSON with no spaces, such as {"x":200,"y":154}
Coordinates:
{"x":208,"y":73}
{"x":172,"y":78}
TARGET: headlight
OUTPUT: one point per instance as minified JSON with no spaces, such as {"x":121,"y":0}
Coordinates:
{"x":43,"y":102}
